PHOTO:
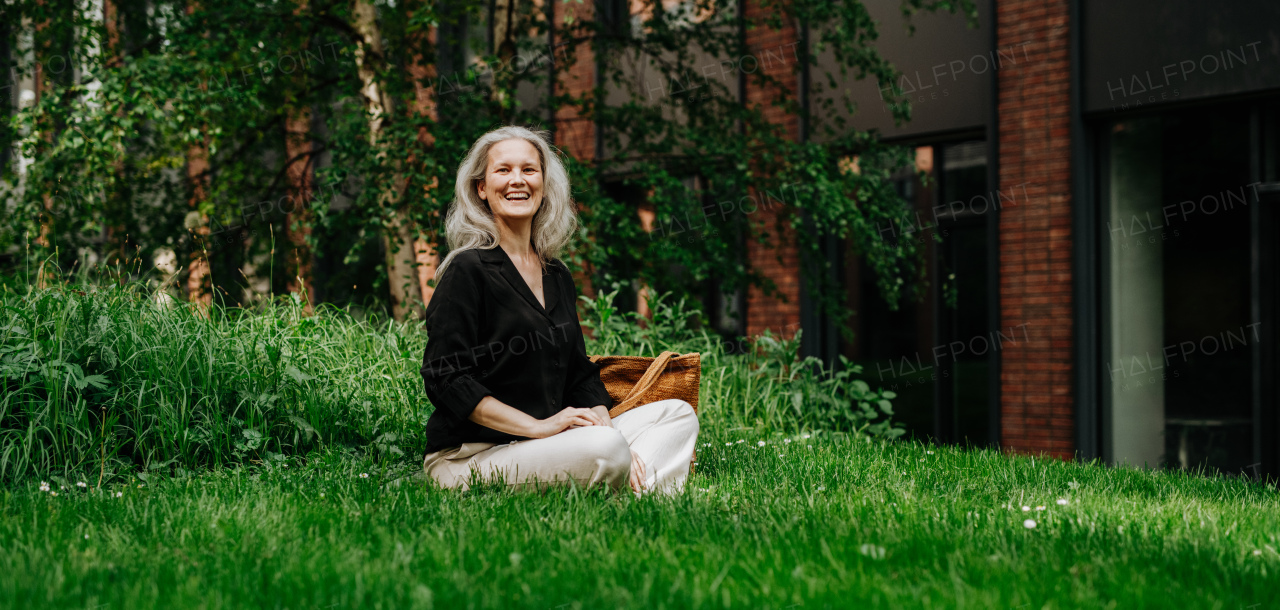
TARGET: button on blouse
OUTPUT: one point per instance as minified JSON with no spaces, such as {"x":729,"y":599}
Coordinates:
{"x":487,"y":335}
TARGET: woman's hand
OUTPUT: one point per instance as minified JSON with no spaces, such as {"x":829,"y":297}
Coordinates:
{"x":570,"y":417}
{"x":637,"y":473}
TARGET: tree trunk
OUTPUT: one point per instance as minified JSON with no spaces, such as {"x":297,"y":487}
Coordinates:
{"x":421,"y":73}
{"x":398,"y":238}
{"x":45,"y":275}
{"x":300,"y":258}
{"x":199,"y":289}
{"x":298,"y":221}
{"x":198,"y":278}
{"x":117,"y":239}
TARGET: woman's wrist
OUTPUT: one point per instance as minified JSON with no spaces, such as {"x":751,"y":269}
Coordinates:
{"x":603,"y":412}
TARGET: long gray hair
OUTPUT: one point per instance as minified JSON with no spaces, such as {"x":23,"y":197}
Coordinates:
{"x":470,"y":224}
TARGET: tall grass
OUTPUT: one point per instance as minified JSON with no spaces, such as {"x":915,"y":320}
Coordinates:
{"x":104,"y":380}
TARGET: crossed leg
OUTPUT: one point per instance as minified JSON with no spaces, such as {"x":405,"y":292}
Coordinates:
{"x":663,"y":434}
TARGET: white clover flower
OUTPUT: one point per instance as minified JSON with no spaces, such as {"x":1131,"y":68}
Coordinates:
{"x":1026,"y":508}
{"x":872,"y":551}
{"x":86,"y":536}
{"x":1062,"y":501}
{"x":1029,"y":524}
{"x":759,"y":443}
{"x":364,"y":475}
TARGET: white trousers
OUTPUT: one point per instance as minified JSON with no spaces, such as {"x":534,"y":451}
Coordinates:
{"x":663,"y":434}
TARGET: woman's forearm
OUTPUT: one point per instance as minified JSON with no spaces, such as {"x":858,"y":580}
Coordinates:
{"x":493,"y":413}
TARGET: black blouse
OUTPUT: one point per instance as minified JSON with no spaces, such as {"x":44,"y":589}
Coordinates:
{"x":487,"y":335}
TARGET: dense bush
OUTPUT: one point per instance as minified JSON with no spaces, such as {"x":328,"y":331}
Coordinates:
{"x":106,"y":379}
{"x":767,"y":387}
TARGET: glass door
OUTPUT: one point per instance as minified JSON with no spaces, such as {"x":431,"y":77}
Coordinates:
{"x":1188,"y":269}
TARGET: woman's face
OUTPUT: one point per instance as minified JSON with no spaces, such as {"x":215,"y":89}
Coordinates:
{"x":512,"y":182}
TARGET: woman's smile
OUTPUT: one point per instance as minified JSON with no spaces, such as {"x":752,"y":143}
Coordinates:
{"x":512,"y":184}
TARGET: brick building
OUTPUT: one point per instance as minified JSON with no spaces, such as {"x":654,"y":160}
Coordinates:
{"x":1103,"y":177}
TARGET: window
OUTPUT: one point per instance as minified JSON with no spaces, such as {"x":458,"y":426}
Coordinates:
{"x":1186,"y":316}
{"x":938,"y":354}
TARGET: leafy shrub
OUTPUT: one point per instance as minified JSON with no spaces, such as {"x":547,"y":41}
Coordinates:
{"x":769,"y":386}
{"x":109,"y":379}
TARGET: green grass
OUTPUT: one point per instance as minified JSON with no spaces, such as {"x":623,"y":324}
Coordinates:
{"x":100,"y":381}
{"x":221,"y":458}
{"x":845,"y":524}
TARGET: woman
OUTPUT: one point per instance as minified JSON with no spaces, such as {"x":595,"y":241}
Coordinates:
{"x":505,"y":365}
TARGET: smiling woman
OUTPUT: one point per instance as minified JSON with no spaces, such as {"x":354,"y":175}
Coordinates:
{"x":540,"y":414}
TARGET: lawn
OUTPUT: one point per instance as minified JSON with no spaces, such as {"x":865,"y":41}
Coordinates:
{"x":267,"y":459}
{"x":829,"y":521}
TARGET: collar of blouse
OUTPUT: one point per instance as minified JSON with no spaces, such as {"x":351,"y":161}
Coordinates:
{"x":507,"y":268}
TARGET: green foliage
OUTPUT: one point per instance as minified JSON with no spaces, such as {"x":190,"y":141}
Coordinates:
{"x":110,"y":149}
{"x":768,"y":387}
{"x":111,"y":378}
{"x":106,"y":379}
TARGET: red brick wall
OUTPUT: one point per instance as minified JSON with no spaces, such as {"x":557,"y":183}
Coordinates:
{"x":780,"y":315}
{"x":1035,"y":232}
{"x":576,"y":135}
{"x":781,"y":262}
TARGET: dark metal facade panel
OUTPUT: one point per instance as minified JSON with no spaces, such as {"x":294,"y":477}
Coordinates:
{"x":1137,"y":53}
{"x":947,"y":71}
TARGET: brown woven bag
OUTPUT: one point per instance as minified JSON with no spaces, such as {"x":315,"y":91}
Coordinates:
{"x":636,"y":380}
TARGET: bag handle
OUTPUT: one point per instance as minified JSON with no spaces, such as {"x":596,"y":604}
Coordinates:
{"x":646,"y":381}
{"x":650,"y":376}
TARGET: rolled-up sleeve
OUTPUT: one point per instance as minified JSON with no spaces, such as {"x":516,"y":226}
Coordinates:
{"x":583,"y":387}
{"x":453,"y":319}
